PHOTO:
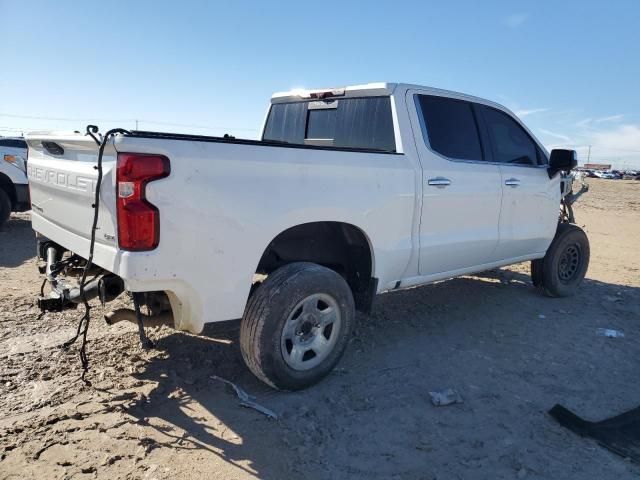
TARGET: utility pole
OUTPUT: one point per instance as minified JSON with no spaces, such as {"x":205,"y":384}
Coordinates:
{"x":588,"y":154}
{"x":137,"y":127}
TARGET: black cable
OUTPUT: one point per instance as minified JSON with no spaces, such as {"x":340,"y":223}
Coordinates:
{"x":83,"y":324}
{"x":144,"y":340}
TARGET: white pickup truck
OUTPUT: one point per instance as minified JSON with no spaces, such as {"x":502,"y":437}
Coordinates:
{"x":349,"y":193}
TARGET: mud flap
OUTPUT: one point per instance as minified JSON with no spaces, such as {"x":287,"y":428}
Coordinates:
{"x":536,"y":272}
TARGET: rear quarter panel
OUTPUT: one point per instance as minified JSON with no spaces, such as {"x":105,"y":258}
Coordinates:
{"x":223,"y":203}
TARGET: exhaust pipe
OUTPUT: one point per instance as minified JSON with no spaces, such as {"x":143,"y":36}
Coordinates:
{"x":107,"y":287}
{"x":52,"y":257}
{"x":91,"y":290}
{"x":128,"y":315}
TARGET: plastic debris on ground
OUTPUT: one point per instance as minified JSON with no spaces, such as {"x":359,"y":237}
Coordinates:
{"x":609,"y":333}
{"x":445,"y":397}
{"x":247,"y":400}
{"x":619,"y":434}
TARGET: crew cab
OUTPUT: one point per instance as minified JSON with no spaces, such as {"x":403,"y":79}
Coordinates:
{"x":14,"y":189}
{"x":349,"y":192}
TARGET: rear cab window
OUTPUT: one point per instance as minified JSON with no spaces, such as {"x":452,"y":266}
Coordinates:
{"x":345,"y":123}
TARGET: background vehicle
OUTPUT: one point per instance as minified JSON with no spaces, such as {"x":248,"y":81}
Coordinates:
{"x":351,"y":192}
{"x":14,"y":189}
{"x":607,"y":175}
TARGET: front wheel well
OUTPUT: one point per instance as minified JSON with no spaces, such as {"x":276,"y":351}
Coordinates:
{"x":340,"y":246}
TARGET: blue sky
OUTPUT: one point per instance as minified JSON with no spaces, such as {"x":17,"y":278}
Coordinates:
{"x":570,"y":69}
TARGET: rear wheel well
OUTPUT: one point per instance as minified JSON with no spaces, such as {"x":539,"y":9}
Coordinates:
{"x":7,"y":185}
{"x":339,"y":246}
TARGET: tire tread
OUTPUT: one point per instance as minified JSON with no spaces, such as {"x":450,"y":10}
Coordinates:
{"x":255,"y":316}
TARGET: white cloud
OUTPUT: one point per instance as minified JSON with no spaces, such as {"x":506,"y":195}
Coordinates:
{"x":611,"y":118}
{"x":515,"y":20}
{"x":559,"y":136}
{"x":619,"y":145}
{"x":584,"y":122}
{"x":624,"y":137}
{"x":531,"y":111}
{"x":590,"y":122}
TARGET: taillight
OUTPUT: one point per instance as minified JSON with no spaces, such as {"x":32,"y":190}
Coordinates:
{"x":138,"y":220}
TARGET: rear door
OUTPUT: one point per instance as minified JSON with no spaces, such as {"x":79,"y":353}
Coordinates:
{"x":461,"y":192}
{"x":530,"y":199}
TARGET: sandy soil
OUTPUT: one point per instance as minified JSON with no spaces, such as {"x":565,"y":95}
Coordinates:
{"x":511,"y":353}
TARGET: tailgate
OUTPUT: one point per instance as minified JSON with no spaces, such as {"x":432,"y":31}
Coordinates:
{"x":62,"y":182}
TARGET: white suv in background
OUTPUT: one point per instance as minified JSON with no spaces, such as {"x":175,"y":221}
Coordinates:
{"x":14,"y":188}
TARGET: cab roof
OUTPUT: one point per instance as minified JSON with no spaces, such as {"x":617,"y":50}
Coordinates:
{"x":372,"y":90}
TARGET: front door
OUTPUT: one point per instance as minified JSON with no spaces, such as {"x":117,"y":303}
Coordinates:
{"x":530,"y":199}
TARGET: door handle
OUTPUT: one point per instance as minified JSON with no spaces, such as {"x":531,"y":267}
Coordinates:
{"x":512,"y":182}
{"x":439,"y":182}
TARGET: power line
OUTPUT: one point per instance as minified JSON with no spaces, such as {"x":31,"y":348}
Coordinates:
{"x":617,"y":149}
{"x":130,"y":120}
{"x":58,"y":119}
{"x":198,"y":126}
{"x":595,"y":147}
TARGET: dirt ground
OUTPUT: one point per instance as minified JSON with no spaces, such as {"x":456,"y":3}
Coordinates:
{"x":511,"y":353}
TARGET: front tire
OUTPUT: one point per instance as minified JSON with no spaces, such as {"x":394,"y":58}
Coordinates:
{"x":561,"y":271}
{"x":296,"y":325}
{"x":5,"y":207}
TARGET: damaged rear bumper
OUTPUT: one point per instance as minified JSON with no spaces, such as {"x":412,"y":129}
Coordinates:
{"x":57,"y":265}
{"x":65,"y":294}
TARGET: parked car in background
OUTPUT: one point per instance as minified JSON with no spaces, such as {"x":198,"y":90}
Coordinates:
{"x":607,"y":175}
{"x":14,"y":188}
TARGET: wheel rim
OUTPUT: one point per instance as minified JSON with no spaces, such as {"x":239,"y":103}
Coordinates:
{"x":311,"y":331}
{"x":569,"y":264}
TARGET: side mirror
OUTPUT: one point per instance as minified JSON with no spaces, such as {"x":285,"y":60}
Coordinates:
{"x":562,"y":160}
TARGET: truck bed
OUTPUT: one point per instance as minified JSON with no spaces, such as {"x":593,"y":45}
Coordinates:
{"x":225,"y":200}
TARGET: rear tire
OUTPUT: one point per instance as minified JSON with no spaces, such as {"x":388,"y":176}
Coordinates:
{"x":296,"y":325}
{"x":561,"y":271}
{"x":5,"y":207}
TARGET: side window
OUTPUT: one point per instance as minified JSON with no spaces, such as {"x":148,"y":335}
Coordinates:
{"x":510,"y":143}
{"x":451,"y":127}
{"x":542,"y":158}
{"x":10,"y":142}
